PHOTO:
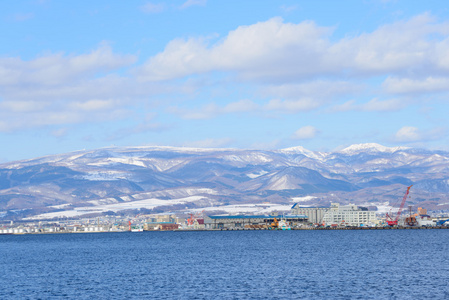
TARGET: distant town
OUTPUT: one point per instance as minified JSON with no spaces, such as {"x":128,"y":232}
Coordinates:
{"x":299,"y":218}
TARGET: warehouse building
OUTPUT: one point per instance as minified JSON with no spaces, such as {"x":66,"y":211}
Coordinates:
{"x":314,"y":214}
{"x":240,"y":221}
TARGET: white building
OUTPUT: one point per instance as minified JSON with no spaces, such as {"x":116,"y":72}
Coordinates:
{"x":349,"y":215}
{"x":314,"y":214}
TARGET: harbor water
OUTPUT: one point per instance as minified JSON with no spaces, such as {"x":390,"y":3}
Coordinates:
{"x":386,"y":264}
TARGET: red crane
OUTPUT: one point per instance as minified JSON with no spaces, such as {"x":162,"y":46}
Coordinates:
{"x":194,"y":217}
{"x":389,"y":218}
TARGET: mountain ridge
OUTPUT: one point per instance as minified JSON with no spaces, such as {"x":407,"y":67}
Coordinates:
{"x":365,"y":174}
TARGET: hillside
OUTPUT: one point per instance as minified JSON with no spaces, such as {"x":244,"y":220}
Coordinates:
{"x":169,"y":179}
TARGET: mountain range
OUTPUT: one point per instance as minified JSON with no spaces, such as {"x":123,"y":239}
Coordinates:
{"x":176,"y":179}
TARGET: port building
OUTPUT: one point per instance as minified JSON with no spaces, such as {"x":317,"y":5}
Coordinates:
{"x":162,"y":222}
{"x":314,"y":214}
{"x":349,"y":215}
{"x":336,"y":214}
{"x":241,"y":221}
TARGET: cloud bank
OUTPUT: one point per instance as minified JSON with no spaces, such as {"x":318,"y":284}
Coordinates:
{"x":287,"y":68}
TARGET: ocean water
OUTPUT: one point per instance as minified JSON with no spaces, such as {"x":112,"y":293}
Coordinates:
{"x":371,"y":264}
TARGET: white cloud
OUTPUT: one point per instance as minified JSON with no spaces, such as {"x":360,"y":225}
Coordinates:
{"x":259,"y":50}
{"x":59,"y":132}
{"x":317,"y":89}
{"x":408,"y":134}
{"x":274,"y":144}
{"x":408,"y":85}
{"x":305,"y":133}
{"x":209,"y":143}
{"x":58,"y":89}
{"x":212,"y":110}
{"x":240,"y":106}
{"x":288,"y":98}
{"x":298,"y":66}
{"x":292,"y":106}
{"x":404,"y":47}
{"x":92,"y":105}
{"x":22,"y":106}
{"x":147,"y":125}
{"x":190,"y":3}
{"x":152,"y":8}
{"x":206,"y":112}
{"x":57,"y":69}
{"x":292,"y":98}
{"x":372,"y":105}
{"x":61,"y":116}
{"x":274,"y":51}
{"x":383,"y":105}
{"x":107,"y":87}
{"x":347,"y":106}
{"x":289,"y":8}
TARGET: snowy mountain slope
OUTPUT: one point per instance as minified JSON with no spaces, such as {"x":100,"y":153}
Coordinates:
{"x":224,"y":177}
{"x":369,"y":148}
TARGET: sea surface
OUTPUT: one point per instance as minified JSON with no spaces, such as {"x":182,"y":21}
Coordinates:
{"x":371,"y":264}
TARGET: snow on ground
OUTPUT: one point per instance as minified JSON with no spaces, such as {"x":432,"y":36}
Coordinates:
{"x":370,"y":146}
{"x":303,"y":199}
{"x":106,"y":175}
{"x":163,"y":165}
{"x":127,"y":161}
{"x":254,"y":158}
{"x":174,"y":193}
{"x":285,"y":182}
{"x":259,"y":209}
{"x":60,"y":206}
{"x":103,"y":201}
{"x":147,"y":203}
{"x":301,"y":150}
{"x":255,"y":175}
{"x":383,"y":208}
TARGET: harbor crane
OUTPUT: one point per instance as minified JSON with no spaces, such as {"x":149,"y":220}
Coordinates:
{"x":389,"y":219}
{"x":194,"y":217}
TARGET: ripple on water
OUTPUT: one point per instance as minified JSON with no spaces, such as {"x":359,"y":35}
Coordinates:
{"x":227,"y":265}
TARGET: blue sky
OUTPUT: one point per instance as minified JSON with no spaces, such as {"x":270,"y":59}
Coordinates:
{"x":239,"y":74}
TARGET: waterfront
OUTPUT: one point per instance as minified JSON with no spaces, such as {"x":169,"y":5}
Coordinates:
{"x":372,"y":264}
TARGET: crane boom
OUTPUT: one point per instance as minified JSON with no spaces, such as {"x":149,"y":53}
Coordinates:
{"x":389,"y":219}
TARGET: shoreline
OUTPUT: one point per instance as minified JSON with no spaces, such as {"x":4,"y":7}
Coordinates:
{"x":234,"y":229}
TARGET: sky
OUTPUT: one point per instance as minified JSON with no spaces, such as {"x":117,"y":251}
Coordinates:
{"x":222,"y":74}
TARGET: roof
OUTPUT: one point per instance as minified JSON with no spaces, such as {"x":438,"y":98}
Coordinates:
{"x":240,"y":217}
{"x":259,"y":217}
{"x":296,"y":205}
{"x":160,"y":223}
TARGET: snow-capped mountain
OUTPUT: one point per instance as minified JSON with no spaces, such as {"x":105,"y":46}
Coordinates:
{"x":370,"y":148}
{"x":160,"y":179}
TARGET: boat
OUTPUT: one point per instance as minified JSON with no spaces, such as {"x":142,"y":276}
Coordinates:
{"x":137,"y":229}
{"x":284,"y":225}
{"x":425,"y":221}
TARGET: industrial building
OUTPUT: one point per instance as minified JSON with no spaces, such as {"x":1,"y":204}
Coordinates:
{"x":162,"y":222}
{"x":349,"y":215}
{"x":314,"y":214}
{"x":240,"y":221}
{"x":342,"y":215}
